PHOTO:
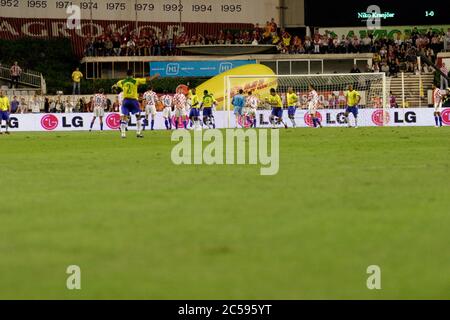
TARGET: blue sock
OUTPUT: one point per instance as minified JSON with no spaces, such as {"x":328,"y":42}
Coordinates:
{"x":318,"y":122}
{"x":92,"y":124}
{"x":254,"y":123}
{"x":101,"y":126}
{"x":436,"y":120}
{"x":440,"y":121}
{"x":185,"y":124}
{"x":176,"y":123}
{"x":314,"y":122}
{"x":190,"y":123}
{"x":167,"y":124}
{"x":152,"y":125}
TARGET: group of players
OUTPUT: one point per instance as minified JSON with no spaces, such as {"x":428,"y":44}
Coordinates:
{"x":245,"y":109}
{"x":181,"y":110}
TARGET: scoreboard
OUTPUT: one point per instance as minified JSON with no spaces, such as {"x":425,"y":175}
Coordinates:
{"x":209,"y":11}
{"x":347,"y":13}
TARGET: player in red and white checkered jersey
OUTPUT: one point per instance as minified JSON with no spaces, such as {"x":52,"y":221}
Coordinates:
{"x":180,"y":101}
{"x":438,"y":96}
{"x":100,"y":103}
{"x":151,"y":98}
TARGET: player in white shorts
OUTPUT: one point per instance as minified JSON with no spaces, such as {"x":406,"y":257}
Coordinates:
{"x":438,"y":95}
{"x":180,"y":101}
{"x":150,"y":98}
{"x":251,"y":105}
{"x":100,"y":102}
{"x":313,"y":104}
{"x":167,"y":101}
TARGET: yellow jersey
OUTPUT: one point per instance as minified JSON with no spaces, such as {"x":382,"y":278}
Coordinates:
{"x":130,"y":87}
{"x":352,"y":98}
{"x":208,"y":101}
{"x":275,"y":101}
{"x":76,"y":76}
{"x":4,"y":103}
{"x":194,"y":101}
{"x":291,"y":99}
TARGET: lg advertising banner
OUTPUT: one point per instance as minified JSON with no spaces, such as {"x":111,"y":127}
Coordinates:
{"x":330,"y":118}
{"x":195,"y":68}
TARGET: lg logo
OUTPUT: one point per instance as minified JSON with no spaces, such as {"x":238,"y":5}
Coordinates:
{"x":49,"y":122}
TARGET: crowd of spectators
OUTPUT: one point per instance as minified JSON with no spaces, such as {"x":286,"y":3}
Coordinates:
{"x":57,"y":104}
{"x":390,"y":55}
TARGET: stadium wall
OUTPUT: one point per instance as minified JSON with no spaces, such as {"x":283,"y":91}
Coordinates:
{"x":330,"y":118}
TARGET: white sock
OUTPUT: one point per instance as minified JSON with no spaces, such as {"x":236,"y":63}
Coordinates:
{"x":138,"y":126}
{"x":356,"y":122}
{"x":123,"y":127}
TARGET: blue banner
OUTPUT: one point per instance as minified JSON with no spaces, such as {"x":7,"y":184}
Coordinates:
{"x":195,"y":68}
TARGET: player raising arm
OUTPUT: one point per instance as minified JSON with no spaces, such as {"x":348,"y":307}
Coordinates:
{"x":99,"y":105}
{"x":5,"y":109}
{"x":130,"y":103}
{"x":438,"y":95}
{"x":353,"y":98}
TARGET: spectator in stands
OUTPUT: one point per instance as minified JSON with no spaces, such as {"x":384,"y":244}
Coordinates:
{"x":76,"y":78}
{"x":116,"y":46}
{"x":444,"y":82}
{"x":355,"y":69}
{"x":23,"y":106}
{"x":108,"y":47}
{"x":14,"y":105}
{"x":131,"y":47}
{"x":115,"y":106}
{"x":68,"y":105}
{"x":52,"y":106}
{"x":46,"y":105}
{"x":15,"y":72}
{"x":35,"y":104}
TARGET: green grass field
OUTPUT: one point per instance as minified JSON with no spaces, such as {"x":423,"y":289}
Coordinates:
{"x":142,"y":228}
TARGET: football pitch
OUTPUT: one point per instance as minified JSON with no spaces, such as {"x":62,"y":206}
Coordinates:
{"x":140,"y":227}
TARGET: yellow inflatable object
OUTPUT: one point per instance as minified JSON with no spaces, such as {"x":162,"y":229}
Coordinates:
{"x":260,"y":86}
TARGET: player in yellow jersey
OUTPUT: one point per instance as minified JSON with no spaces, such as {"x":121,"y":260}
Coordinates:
{"x":5,"y":109}
{"x":194,"y":113}
{"x":207,"y":104}
{"x":130,"y":102}
{"x":292,"y":100}
{"x":277,"y":108}
{"x":353,"y":98}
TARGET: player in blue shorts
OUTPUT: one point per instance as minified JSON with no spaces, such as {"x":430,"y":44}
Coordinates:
{"x":5,"y":109}
{"x":207,"y":105}
{"x":130,"y":104}
{"x":292,"y":100}
{"x":194,"y":113}
{"x":238,"y":103}
{"x":276,"y":102}
{"x":353,"y":99}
